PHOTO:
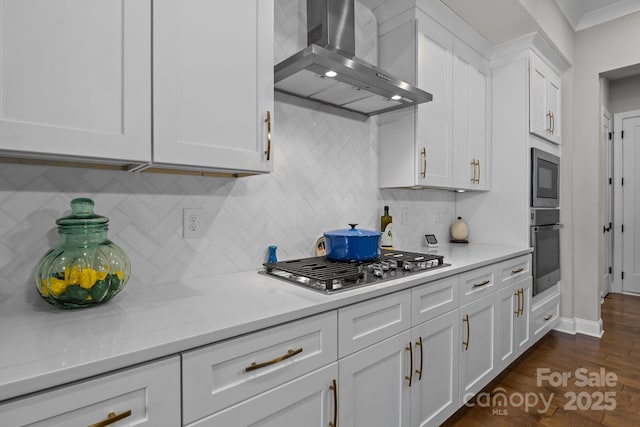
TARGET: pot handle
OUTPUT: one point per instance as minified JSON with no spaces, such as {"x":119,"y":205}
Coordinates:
{"x":353,"y":226}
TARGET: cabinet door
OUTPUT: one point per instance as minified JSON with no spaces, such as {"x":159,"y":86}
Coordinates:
{"x":434,"y":119}
{"x":373,"y":389}
{"x":523,"y":320}
{"x":544,"y":100}
{"x":75,"y":79}
{"x":508,"y":313}
{"x":434,"y":394}
{"x":553,"y":104}
{"x":306,"y":401}
{"x":471,"y":169}
{"x":148,"y":395}
{"x":213,"y":84}
{"x":478,"y":334}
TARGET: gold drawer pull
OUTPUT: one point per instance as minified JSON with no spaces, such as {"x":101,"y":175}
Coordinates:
{"x":547,"y":317}
{"x":279,"y":359}
{"x":423,"y":153}
{"x":112,"y":417}
{"x":517,"y":270}
{"x":478,"y":285}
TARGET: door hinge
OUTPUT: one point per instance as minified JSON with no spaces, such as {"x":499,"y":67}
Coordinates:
{"x":610,"y":270}
{"x":622,"y":182}
{"x":622,"y":227}
{"x":622,"y":275}
{"x":610,"y":136}
{"x":610,"y":181}
{"x":621,"y":134}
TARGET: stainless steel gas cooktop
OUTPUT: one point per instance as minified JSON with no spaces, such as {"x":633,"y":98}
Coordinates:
{"x":324,"y":275}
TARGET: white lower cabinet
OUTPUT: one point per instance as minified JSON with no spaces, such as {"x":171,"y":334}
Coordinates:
{"x":479,"y":337}
{"x":148,"y":395}
{"x":306,"y":401}
{"x":434,"y":392}
{"x":514,"y":319}
{"x":374,"y":383}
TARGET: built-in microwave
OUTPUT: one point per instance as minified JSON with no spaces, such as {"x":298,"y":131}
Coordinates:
{"x":545,"y":179}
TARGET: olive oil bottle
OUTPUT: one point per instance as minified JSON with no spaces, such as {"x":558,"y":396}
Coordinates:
{"x":386,"y":222}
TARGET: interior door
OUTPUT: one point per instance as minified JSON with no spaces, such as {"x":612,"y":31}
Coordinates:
{"x":631,"y":204}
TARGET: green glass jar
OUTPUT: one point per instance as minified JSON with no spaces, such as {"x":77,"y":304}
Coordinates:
{"x":85,"y":268}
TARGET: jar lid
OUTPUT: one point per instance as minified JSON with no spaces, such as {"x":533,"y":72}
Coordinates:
{"x":353,"y":231}
{"x":82,"y":214}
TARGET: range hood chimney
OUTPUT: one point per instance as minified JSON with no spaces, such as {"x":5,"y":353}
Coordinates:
{"x":327,"y":70}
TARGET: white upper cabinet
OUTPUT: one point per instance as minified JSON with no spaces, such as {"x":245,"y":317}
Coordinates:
{"x":544,"y":100}
{"x":443,"y":143}
{"x":213,"y":84}
{"x":471,"y":88}
{"x":75,"y":79}
{"x":76,"y":83}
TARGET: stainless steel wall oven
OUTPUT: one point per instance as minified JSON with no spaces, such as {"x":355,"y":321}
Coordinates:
{"x":545,"y":240}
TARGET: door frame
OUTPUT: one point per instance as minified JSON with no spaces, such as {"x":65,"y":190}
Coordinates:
{"x":606,"y":171}
{"x":617,"y":197}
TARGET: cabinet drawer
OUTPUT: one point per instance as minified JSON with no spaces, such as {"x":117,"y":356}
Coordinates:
{"x":433,"y":299}
{"x":305,"y":401}
{"x":369,"y":322}
{"x":513,"y":270}
{"x":220,"y":375}
{"x":545,"y":316}
{"x":150,"y":393}
{"x":477,"y":283}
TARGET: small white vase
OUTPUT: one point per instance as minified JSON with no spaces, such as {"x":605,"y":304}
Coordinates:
{"x":459,"y":230}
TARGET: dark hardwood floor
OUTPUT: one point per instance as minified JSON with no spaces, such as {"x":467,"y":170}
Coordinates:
{"x":603,"y":387}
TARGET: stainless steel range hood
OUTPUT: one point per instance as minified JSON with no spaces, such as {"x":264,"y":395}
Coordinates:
{"x":328,"y":72}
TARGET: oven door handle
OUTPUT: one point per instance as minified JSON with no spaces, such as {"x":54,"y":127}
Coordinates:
{"x":539,"y":228}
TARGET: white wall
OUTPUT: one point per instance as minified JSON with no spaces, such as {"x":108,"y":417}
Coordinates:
{"x":624,"y":94}
{"x":325,"y":176}
{"x":598,"y":49}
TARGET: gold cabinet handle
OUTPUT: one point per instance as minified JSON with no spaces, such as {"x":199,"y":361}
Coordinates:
{"x":473,"y":163}
{"x":334,"y":388}
{"x":548,"y":120}
{"x":279,"y":359}
{"x":522,"y":307}
{"x":466,"y":343}
{"x":479,"y":285}
{"x":553,"y":123}
{"x":517,"y":270}
{"x":268,"y":122}
{"x":547,"y":317}
{"x":112,"y":417}
{"x":517,"y":312}
{"x":423,"y":153}
{"x":409,"y":348}
{"x":478,"y":180}
{"x":419,"y":371}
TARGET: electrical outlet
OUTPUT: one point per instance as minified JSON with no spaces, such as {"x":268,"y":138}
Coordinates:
{"x":193,"y":223}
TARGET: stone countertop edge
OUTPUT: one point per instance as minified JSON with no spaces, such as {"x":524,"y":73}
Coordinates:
{"x":45,"y":347}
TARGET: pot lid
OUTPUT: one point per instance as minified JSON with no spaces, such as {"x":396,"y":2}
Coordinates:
{"x":352,"y":232}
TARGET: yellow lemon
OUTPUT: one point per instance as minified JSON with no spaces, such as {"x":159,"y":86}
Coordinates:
{"x":57,"y":286}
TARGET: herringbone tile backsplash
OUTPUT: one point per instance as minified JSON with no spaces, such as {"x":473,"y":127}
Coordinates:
{"x":325,"y":176}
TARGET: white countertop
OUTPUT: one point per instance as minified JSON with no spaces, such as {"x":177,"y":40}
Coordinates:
{"x":43,"y":346}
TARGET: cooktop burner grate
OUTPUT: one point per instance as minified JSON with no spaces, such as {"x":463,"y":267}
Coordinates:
{"x":323,"y":274}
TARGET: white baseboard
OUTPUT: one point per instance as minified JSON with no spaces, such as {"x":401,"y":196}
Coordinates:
{"x":580,"y":326}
